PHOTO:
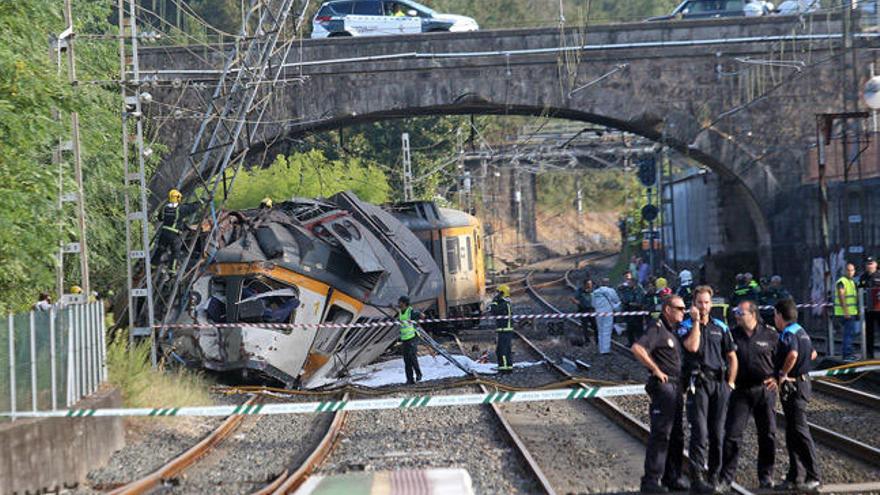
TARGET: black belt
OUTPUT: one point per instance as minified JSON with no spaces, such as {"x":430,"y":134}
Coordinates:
{"x":717,"y":375}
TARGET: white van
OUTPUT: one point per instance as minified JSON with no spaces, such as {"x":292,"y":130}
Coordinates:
{"x":383,"y":17}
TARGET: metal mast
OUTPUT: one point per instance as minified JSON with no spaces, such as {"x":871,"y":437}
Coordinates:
{"x":64,"y":44}
{"x":137,"y":236}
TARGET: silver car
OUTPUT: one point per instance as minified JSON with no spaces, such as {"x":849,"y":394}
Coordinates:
{"x":383,"y":17}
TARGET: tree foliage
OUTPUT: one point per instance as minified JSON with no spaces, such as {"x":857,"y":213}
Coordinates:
{"x":308,"y":174}
{"x":30,"y":89}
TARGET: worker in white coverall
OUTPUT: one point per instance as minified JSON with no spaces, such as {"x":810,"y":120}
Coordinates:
{"x":605,"y":300}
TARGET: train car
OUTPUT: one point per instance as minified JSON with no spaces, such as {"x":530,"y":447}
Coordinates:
{"x":454,"y":239}
{"x":338,"y":260}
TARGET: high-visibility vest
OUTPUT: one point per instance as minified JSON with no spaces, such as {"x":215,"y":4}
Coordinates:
{"x":850,"y":298}
{"x":407,"y":329}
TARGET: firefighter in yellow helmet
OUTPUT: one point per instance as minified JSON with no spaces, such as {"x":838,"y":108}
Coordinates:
{"x":266,"y":203}
{"x":76,"y":290}
{"x":502,"y":309}
{"x":172,"y":218}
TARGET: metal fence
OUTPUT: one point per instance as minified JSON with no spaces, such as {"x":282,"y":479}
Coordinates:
{"x":51,"y":359}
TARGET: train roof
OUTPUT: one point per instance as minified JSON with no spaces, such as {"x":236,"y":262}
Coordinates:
{"x":426,"y":215}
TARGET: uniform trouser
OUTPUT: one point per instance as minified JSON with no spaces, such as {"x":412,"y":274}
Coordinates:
{"x":409,"y":349}
{"x":168,"y":241}
{"x":588,"y":325}
{"x":872,"y":321}
{"x":759,"y":402}
{"x":503,"y":349}
{"x":633,"y":327}
{"x":665,"y":449}
{"x":706,"y":410}
{"x":801,"y":451}
{"x":605,"y":324}
{"x":851,"y":329}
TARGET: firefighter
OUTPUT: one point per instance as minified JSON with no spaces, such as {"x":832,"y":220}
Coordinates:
{"x":266,"y":203}
{"x":686,"y":287}
{"x":409,"y":342}
{"x":502,"y":309}
{"x":583,"y":297}
{"x":659,"y":350}
{"x":710,"y":369}
{"x":793,"y":360}
{"x":632,"y":295}
{"x":172,"y":217}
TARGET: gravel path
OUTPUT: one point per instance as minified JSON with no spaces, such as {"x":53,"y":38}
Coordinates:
{"x":467,"y":437}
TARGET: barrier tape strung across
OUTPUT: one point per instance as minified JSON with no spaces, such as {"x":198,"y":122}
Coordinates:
{"x":575,"y":393}
{"x":548,"y":316}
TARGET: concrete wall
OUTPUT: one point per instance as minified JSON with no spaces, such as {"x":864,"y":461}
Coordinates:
{"x":47,"y":454}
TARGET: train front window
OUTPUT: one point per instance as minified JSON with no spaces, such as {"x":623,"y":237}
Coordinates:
{"x":452,"y":255}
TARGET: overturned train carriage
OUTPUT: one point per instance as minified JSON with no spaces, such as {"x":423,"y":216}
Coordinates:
{"x":339,"y":260}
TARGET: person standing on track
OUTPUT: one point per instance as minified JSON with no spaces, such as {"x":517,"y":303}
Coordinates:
{"x":502,"y":309}
{"x":793,"y":360}
{"x":632,"y":295}
{"x":659,"y":350}
{"x":754,"y":395}
{"x":583,"y":297}
{"x":846,"y":310}
{"x":409,"y":341}
{"x":870,"y":280}
{"x":710,"y":369}
{"x":605,"y":300}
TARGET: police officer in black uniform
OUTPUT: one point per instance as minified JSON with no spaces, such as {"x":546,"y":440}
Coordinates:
{"x":870,"y":279}
{"x":660,"y":351}
{"x":755,"y":395}
{"x":794,"y":356}
{"x":710,"y":369}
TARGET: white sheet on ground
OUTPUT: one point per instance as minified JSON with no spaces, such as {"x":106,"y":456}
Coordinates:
{"x":433,"y":368}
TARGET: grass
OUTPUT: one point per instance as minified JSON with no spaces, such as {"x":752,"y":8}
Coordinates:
{"x":143,"y":386}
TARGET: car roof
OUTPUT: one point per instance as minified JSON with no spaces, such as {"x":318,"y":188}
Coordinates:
{"x":409,"y":2}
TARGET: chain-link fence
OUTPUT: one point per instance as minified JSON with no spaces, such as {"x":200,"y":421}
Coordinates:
{"x":51,"y":359}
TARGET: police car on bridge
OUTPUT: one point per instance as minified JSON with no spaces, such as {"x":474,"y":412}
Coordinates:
{"x":383,"y":17}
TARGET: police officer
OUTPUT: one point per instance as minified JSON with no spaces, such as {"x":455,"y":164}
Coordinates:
{"x":631,"y":297}
{"x":846,"y":310}
{"x":409,"y":342}
{"x":870,"y":280}
{"x":171,"y":217}
{"x":710,"y":369}
{"x":660,"y":351}
{"x":794,"y":355}
{"x":754,"y":395}
{"x":583,"y":297}
{"x":502,"y":309}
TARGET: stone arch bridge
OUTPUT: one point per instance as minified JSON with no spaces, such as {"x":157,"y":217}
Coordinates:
{"x":736,"y":95}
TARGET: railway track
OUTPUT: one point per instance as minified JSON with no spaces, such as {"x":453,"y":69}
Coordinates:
{"x":172,"y":476}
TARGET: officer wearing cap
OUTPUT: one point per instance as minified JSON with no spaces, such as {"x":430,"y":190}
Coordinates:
{"x":660,"y":351}
{"x":710,"y":370}
{"x":792,"y":362}
{"x":754,"y":395}
{"x":869,"y":280}
{"x":502,"y":309}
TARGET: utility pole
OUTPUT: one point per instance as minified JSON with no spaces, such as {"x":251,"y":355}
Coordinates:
{"x":407,"y":168}
{"x":65,"y":44}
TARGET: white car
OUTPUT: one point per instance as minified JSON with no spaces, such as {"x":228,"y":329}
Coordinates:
{"x":383,"y":17}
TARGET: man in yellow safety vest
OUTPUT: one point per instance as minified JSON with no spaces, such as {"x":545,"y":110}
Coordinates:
{"x":409,"y":342}
{"x":846,"y":310}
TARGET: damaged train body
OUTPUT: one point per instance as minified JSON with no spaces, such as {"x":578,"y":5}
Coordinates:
{"x":339,"y":260}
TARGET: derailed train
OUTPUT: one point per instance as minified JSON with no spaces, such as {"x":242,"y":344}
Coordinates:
{"x":338,"y":260}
